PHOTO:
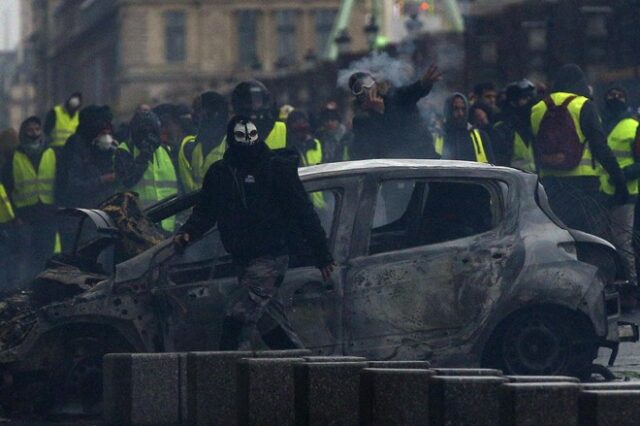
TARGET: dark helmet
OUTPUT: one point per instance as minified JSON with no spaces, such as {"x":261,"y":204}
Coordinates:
{"x":519,"y":89}
{"x":250,"y":97}
{"x":330,"y":111}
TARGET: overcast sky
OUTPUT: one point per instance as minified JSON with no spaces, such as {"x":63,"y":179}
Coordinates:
{"x":9,"y":24}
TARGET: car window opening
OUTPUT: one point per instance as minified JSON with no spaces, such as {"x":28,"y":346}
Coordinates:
{"x":412,"y":213}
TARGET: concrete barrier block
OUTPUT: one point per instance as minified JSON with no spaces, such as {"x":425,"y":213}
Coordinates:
{"x":400,"y":364}
{"x":394,"y":396}
{"x":265,"y":392}
{"x":611,"y":386}
{"x":327,"y":393}
{"x":143,"y":389}
{"x":334,"y":359}
{"x":467,"y":372}
{"x":465,"y":400}
{"x":549,"y":404}
{"x":288,"y":353}
{"x":610,"y":407}
{"x":543,"y":379}
{"x":211,"y":387}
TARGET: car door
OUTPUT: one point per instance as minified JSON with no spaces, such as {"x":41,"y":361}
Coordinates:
{"x":315,"y":306}
{"x":430,"y":251}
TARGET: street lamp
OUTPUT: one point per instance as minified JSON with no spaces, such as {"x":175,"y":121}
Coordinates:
{"x":371,"y":32}
{"x":343,"y":41}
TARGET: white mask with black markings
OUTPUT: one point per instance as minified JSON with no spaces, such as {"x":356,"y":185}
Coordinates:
{"x":245,"y":133}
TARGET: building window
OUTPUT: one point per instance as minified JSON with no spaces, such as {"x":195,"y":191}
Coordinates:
{"x":246,"y":23}
{"x":175,"y":36}
{"x":597,"y":26}
{"x":489,"y":52}
{"x":324,"y":24}
{"x":286,"y":30}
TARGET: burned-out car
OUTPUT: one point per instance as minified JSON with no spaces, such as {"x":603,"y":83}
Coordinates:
{"x":459,"y":263}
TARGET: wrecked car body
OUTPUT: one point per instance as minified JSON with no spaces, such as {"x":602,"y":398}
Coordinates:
{"x":459,"y":263}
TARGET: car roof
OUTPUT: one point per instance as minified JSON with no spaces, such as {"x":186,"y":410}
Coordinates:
{"x":363,"y":166}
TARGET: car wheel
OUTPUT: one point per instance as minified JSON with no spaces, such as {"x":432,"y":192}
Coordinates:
{"x":543,"y":343}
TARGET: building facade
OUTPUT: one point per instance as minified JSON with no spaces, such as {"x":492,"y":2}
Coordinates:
{"x":126,"y":52}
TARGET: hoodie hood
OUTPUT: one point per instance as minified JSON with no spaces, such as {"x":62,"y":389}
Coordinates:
{"x":571,"y":79}
{"x":448,"y":108}
{"x":93,"y":120}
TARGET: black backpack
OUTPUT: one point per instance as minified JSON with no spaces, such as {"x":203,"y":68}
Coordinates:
{"x":557,"y":145}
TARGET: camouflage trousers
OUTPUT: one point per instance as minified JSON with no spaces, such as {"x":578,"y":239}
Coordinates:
{"x":255,"y":311}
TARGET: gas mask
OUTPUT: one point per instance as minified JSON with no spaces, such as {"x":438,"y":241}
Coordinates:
{"x":245,"y":133}
{"x":105,"y":143}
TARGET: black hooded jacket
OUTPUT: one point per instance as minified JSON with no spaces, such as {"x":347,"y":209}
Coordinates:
{"x":571,"y":79}
{"x":399,"y":132}
{"x":78,"y":179}
{"x":256,"y":200}
{"x":458,"y":144}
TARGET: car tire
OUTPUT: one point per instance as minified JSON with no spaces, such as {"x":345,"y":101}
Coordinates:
{"x":545,"y":343}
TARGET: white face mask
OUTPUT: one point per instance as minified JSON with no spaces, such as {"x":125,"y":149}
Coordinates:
{"x":105,"y":142}
{"x":245,"y":133}
{"x":74,"y":102}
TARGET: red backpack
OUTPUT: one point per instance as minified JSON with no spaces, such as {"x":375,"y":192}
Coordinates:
{"x":557,"y":145}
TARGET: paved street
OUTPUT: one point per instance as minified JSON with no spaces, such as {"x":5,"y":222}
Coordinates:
{"x":627,"y":366}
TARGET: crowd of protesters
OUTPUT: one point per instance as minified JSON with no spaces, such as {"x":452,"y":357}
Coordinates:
{"x":78,"y":158}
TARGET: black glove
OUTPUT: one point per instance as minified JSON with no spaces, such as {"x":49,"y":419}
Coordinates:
{"x":180,"y":242}
{"x":621,"y":195}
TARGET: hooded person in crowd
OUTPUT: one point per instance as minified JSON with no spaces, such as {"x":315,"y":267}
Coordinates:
{"x":461,"y":140}
{"x":300,"y":139}
{"x":512,"y":138}
{"x":623,"y":137}
{"x":85,"y":175}
{"x":334,"y":136}
{"x":569,"y":145}
{"x":143,"y":165}
{"x":29,"y":180}
{"x":198,"y":152}
{"x":255,"y":198}
{"x":61,"y":121}
{"x":389,"y":125}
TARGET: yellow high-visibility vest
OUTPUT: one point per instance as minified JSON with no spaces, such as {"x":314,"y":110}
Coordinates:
{"x":185,"y":168}
{"x":31,"y":187}
{"x":585,"y":167}
{"x":66,"y":125}
{"x":478,"y":146}
{"x":621,"y":140}
{"x":313,"y":156}
{"x":6,"y":210}
{"x":522,"y":155}
{"x":158,"y":182}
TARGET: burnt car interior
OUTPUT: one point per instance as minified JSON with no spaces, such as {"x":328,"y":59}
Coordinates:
{"x":411,"y":213}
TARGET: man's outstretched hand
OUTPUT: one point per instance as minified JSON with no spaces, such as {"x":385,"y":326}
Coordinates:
{"x":180,"y":242}
{"x":432,"y":76}
{"x":327,"y":270}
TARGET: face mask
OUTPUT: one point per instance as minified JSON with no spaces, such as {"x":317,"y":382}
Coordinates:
{"x":74,"y":103}
{"x":33,"y":146}
{"x":105,"y":143}
{"x":615,"y":106}
{"x":245,"y":133}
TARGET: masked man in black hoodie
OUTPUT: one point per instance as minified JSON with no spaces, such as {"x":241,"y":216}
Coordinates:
{"x":256,"y":198}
